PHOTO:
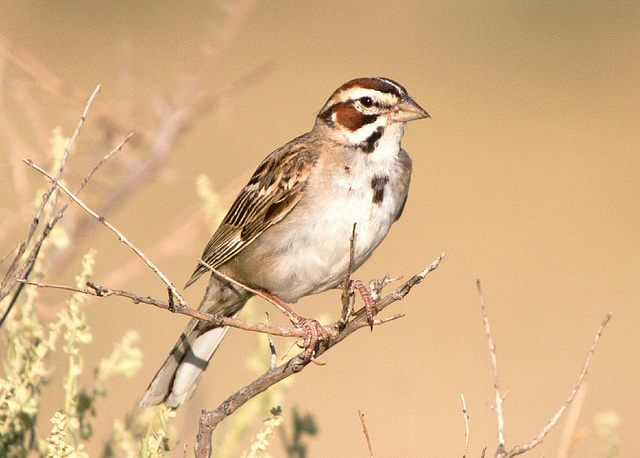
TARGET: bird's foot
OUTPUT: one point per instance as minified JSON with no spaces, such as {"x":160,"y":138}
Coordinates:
{"x":369,"y":303}
{"x":315,"y":334}
{"x":314,"y":331}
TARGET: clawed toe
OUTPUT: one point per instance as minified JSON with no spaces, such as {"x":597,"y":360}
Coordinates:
{"x":315,"y":333}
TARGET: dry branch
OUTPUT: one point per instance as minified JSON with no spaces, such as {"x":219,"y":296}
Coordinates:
{"x":365,"y":432}
{"x":209,"y":420}
{"x":220,"y":320}
{"x":466,"y":426}
{"x":17,"y":271}
{"x":173,"y":290}
{"x":501,"y":451}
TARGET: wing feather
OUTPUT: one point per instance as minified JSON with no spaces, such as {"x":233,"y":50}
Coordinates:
{"x":274,"y":189}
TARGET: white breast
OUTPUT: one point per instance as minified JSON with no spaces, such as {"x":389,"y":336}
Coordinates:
{"x":308,"y":252}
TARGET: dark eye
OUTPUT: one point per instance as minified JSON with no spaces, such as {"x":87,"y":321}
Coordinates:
{"x":366,"y":102}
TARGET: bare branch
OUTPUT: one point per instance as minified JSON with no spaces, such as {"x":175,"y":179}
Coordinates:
{"x":221,"y":320}
{"x":366,"y":433}
{"x":14,"y":272}
{"x":121,"y":236}
{"x":262,"y":294}
{"x":517,"y":450}
{"x":466,"y":427}
{"x":387,"y":319}
{"x":494,"y":364}
{"x":347,"y":292}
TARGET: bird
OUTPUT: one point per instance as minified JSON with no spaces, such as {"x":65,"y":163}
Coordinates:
{"x":288,"y":231}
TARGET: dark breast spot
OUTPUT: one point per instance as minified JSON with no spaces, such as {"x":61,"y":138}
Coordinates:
{"x":369,"y":145}
{"x":378,"y":184}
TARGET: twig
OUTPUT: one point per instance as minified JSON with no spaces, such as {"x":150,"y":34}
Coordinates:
{"x":494,"y":365}
{"x":366,"y":433}
{"x":387,"y":319}
{"x":517,"y":450}
{"x":103,"y":291}
{"x":347,"y":291}
{"x":86,"y":179}
{"x":272,"y":347}
{"x":466,"y":427}
{"x":13,"y":273}
{"x":233,"y":281}
{"x":182,"y":303}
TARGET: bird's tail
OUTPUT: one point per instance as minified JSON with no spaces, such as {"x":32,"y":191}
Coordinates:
{"x":180,"y":374}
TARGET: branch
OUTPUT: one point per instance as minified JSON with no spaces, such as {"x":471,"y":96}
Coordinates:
{"x":174,"y":292}
{"x":217,"y":319}
{"x":14,"y":272}
{"x":366,"y":432}
{"x":209,"y":420}
{"x":494,"y":365}
{"x":519,"y":449}
{"x":466,"y":427}
{"x":347,"y":291}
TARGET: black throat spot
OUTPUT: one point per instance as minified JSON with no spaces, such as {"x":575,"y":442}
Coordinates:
{"x":369,"y":145}
{"x":378,"y":184}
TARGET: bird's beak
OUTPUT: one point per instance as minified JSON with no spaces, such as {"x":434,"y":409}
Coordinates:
{"x":408,"y":110}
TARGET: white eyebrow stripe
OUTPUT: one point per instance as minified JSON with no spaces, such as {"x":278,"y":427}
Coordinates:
{"x":356,"y":93}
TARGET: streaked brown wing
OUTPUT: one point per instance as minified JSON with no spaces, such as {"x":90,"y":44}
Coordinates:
{"x":273,"y":190}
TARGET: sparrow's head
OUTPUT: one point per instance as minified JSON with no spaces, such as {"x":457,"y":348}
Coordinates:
{"x":361,"y":111}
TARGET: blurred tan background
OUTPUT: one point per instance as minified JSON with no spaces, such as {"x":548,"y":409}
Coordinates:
{"x":528,"y":176}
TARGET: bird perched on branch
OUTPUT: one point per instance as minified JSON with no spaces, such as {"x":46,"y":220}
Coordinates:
{"x":287,"y":233}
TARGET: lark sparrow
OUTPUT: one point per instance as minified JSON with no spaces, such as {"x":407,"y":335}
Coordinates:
{"x":287,"y":233}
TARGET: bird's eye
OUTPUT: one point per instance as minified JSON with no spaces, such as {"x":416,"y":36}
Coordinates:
{"x":366,"y":102}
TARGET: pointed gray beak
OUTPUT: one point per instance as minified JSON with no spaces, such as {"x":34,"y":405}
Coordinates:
{"x":408,"y":110}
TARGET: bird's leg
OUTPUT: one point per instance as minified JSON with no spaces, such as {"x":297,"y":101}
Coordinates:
{"x":315,"y":332}
{"x":369,"y":303}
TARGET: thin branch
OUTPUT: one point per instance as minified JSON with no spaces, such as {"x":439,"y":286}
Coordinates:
{"x":466,"y":427}
{"x":76,"y":132}
{"x":366,"y":433}
{"x":220,"y":320}
{"x":387,"y":319}
{"x":347,"y":290}
{"x":233,"y":281}
{"x":272,"y":347}
{"x":14,"y":272}
{"x":517,"y":450}
{"x":494,"y":365}
{"x":182,"y":303}
{"x":86,"y":179}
